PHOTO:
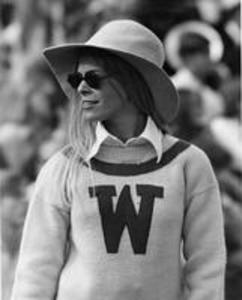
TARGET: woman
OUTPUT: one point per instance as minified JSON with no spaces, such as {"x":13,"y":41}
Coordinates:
{"x":111,"y":210}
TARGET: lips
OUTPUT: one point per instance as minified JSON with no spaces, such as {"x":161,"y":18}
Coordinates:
{"x":89,"y":103}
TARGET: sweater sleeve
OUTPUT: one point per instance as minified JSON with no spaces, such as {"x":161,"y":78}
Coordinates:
{"x":43,"y":246}
{"x":203,"y":232}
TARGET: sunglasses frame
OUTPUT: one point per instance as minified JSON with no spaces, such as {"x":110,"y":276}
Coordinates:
{"x":92,"y":78}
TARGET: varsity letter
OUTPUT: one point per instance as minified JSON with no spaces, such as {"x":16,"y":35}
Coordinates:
{"x":114,"y":222}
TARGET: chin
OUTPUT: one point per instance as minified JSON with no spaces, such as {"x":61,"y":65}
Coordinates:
{"x":92,"y":117}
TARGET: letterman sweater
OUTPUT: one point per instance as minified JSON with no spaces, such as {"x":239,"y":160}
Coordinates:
{"x":115,"y":232}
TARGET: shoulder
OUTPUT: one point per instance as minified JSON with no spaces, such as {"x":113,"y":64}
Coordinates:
{"x":188,"y":152}
{"x":191,"y":151}
{"x":51,"y":185}
{"x":196,"y":156}
{"x":57,"y":161}
{"x":198,"y":171}
{"x":56,"y":168}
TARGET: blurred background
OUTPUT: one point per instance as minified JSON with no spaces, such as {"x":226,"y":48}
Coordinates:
{"x":202,"y":39}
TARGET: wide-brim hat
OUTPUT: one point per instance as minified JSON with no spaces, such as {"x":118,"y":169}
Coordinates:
{"x":134,"y":43}
{"x":174,"y":37}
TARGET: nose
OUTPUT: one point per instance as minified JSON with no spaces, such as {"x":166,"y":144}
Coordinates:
{"x":84,"y":88}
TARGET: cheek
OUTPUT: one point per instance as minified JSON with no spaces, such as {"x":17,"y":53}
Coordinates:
{"x":112,"y":102}
{"x":110,"y":105}
{"x":114,"y":97}
{"x":115,"y":94}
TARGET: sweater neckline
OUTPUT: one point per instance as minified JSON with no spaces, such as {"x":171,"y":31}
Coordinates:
{"x":127,"y":169}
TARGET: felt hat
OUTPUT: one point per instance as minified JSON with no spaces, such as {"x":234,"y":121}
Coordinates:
{"x":134,"y":43}
{"x":174,"y":38}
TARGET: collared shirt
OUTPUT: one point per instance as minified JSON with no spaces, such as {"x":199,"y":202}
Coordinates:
{"x":151,"y":134}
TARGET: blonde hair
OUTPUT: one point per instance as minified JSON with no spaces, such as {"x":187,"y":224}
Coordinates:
{"x":81,"y":131}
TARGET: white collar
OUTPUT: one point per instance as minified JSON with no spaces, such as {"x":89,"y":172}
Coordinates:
{"x":151,"y":133}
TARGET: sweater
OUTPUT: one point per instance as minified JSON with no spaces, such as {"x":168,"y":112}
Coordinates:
{"x":117,"y":231}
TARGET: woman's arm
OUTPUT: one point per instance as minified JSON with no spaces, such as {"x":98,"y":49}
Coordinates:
{"x":203,"y":232}
{"x":43,"y":247}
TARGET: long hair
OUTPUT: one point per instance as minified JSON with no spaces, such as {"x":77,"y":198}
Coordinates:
{"x":82,"y":132}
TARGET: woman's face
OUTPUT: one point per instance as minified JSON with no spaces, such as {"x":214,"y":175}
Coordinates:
{"x":106,"y":102}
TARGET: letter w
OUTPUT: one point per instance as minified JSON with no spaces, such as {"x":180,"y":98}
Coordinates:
{"x":114,"y":222}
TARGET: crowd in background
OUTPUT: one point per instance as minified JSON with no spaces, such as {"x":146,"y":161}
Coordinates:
{"x":202,"y":38}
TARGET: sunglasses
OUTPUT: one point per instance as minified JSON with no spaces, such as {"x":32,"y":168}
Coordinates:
{"x":92,"y":78}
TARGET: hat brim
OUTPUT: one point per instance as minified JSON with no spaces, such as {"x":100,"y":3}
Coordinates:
{"x":173,"y":39}
{"x":62,"y":60}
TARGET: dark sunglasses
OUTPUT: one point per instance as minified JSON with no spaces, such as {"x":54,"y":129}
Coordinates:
{"x":92,"y":78}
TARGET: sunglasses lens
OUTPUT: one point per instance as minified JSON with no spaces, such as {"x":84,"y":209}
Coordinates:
{"x":74,"y":79}
{"x":93,"y":80}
